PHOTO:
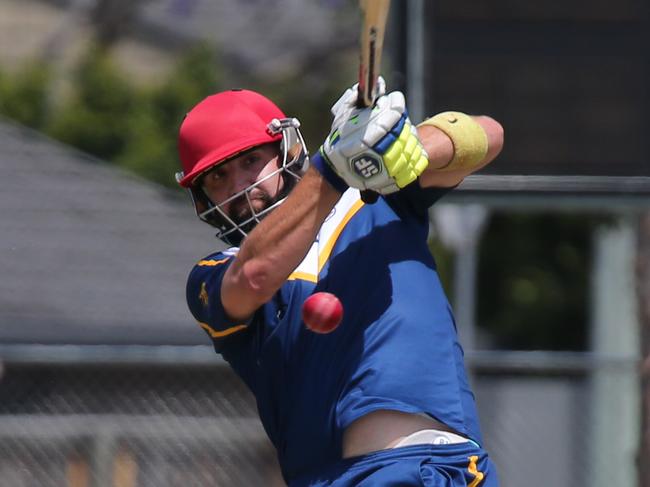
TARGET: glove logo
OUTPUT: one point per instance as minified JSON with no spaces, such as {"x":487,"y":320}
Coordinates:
{"x":366,"y":166}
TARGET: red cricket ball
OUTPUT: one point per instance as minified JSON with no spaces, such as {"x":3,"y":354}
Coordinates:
{"x":322,"y":312}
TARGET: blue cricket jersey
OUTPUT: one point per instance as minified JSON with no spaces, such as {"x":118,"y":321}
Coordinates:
{"x":395,"y":349}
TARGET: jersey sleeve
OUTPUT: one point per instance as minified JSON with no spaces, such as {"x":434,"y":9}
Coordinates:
{"x":204,"y":299}
{"x":416,"y":200}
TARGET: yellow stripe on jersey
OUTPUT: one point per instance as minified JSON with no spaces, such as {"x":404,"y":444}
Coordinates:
{"x":327,"y":249}
{"x":471,"y":468}
{"x":220,"y":334}
{"x":303,"y":276}
{"x":211,"y":262}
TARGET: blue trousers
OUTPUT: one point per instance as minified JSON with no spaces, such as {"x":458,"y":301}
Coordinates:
{"x":458,"y":465}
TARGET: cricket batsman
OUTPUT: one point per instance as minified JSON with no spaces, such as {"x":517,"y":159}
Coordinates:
{"x":384,"y":398}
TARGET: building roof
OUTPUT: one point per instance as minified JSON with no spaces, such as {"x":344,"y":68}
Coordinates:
{"x":90,"y":254}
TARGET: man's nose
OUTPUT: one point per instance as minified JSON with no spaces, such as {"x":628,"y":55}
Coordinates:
{"x":243,"y":180}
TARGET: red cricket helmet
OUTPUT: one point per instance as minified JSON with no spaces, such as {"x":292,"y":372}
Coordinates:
{"x":222,"y":126}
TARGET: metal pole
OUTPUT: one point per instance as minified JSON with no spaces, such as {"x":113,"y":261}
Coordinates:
{"x":465,"y":273}
{"x":415,"y":59}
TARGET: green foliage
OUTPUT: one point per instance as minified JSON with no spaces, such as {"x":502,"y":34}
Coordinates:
{"x":195,"y":77}
{"x":307,"y":97}
{"x":23,"y":95}
{"x":148,"y":150}
{"x":116,"y":120}
{"x":111,"y":117}
{"x":150,"y":136}
{"x":96,"y":117}
{"x":533,"y":280}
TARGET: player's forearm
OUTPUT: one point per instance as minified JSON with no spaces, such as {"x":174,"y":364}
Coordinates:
{"x":440,"y":149}
{"x":277,"y":245}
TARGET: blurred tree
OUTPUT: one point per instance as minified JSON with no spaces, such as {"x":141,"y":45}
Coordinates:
{"x":534,"y":280}
{"x":95,"y":119}
{"x":116,"y":120}
{"x":309,"y":96}
{"x":151,"y":133}
{"x":197,"y":74}
{"x":23,"y":95}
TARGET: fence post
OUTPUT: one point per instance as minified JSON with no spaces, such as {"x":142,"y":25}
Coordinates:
{"x":643,"y":293}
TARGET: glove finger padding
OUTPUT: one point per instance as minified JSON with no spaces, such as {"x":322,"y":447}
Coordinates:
{"x":376,"y":149}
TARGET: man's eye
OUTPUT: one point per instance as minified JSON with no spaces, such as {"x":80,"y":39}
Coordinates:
{"x":250,"y":160}
{"x":218,"y":173}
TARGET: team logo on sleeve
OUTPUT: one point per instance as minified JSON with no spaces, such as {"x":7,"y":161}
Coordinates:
{"x":203,"y":295}
{"x":366,"y":166}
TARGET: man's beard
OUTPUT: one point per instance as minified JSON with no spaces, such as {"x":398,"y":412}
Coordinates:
{"x":240,"y":210}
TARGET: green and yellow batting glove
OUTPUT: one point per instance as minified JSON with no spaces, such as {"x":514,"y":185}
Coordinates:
{"x":374,"y":148}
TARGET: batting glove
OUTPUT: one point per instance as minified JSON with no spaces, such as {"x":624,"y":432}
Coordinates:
{"x":374,"y":148}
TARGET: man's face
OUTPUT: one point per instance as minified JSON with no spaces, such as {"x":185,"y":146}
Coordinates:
{"x":239,"y":173}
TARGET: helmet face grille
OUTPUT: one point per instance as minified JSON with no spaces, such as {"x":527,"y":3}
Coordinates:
{"x":294,"y":163}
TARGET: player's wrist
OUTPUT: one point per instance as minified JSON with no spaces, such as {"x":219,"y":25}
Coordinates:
{"x":438,"y":146}
{"x":319,"y":162}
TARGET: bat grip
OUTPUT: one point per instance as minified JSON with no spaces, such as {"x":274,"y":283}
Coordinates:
{"x":361,"y":102}
{"x":367,"y":196}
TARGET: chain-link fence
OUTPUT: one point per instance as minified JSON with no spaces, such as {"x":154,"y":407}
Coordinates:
{"x":87,"y":424}
{"x":559,"y":419}
{"x":548,"y":419}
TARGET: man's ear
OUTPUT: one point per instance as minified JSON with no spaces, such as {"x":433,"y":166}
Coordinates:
{"x":294,"y":151}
